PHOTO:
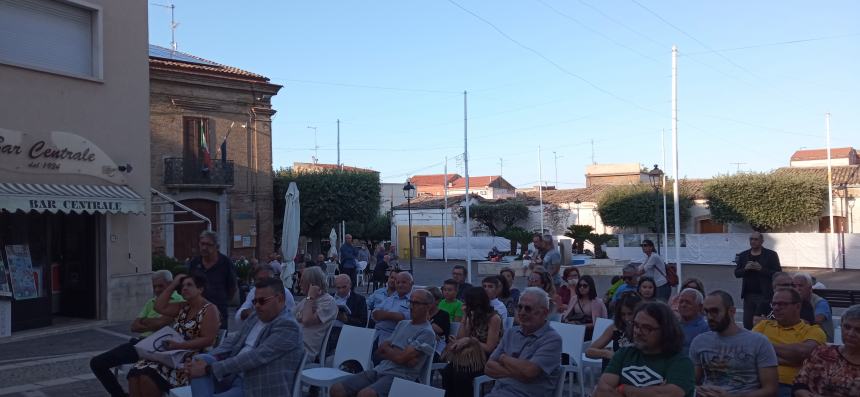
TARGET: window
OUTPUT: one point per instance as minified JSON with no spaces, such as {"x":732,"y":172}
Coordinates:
{"x":54,"y":36}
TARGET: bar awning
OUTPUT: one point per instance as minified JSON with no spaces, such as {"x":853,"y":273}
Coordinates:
{"x":90,"y":199}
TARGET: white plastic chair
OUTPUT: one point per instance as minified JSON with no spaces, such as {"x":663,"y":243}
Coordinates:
{"x":455,"y":327}
{"x":405,"y":388}
{"x":593,"y":366}
{"x":572,"y":336}
{"x":320,"y":358}
{"x":559,"y":386}
{"x":354,"y":343}
{"x":330,"y":269}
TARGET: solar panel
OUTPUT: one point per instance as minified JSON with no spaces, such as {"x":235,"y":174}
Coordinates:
{"x":166,"y":53}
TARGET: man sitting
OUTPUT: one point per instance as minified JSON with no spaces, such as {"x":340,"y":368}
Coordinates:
{"x":692,"y":321}
{"x":654,"y":365}
{"x":351,"y":309}
{"x":729,"y":360}
{"x":378,"y":296}
{"x":259,"y":360}
{"x":394,"y":309}
{"x":783,"y":280}
{"x":527,"y":361}
{"x":821,"y":312}
{"x":792,"y":338}
{"x":493,"y":287}
{"x":630,"y":275}
{"x":264,"y":271}
{"x":147,"y":322}
{"x":405,"y":354}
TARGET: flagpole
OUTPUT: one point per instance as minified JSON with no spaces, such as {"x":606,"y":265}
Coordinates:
{"x":675,"y":174}
{"x":445,"y":215}
{"x":468,"y":199}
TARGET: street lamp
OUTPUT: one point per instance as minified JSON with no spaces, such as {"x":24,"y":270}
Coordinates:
{"x":656,"y":178}
{"x":851,"y":214}
{"x":578,"y":202}
{"x":409,"y":194}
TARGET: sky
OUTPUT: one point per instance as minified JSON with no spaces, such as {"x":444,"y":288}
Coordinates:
{"x":552,"y":85}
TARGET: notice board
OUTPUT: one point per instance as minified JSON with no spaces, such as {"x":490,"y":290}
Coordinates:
{"x":21,"y":272}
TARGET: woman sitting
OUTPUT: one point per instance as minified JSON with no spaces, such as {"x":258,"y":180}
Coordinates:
{"x":441,"y":323}
{"x":832,"y":370}
{"x":620,"y":333}
{"x":513,"y":293}
{"x":570,"y":276}
{"x":647,"y":289}
{"x":467,"y":353}
{"x":585,"y":307}
{"x":541,"y":279}
{"x":197,"y":321}
{"x":316,"y":312}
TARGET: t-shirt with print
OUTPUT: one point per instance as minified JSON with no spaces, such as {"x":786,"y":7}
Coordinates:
{"x":421,"y":337}
{"x":642,"y":370}
{"x":797,"y":333}
{"x":148,"y":310}
{"x":454,"y":309}
{"x":732,"y":362}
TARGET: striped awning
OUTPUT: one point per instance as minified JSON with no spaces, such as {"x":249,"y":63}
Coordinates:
{"x":90,"y":199}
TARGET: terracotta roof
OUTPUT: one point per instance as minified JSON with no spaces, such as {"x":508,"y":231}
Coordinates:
{"x":432,"y":180}
{"x":166,"y":59}
{"x":319,"y":166}
{"x":589,"y":194}
{"x":848,"y":174}
{"x":477,"y":181}
{"x":436,"y":202}
{"x":821,"y":154}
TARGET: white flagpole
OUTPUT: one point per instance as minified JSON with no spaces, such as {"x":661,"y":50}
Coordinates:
{"x":665,"y":214}
{"x":468,"y":199}
{"x":675,"y":173}
{"x":540,"y":189}
{"x":445,"y":215}
{"x":830,"y":255}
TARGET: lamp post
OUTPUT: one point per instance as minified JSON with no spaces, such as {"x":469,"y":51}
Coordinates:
{"x":842,"y":214}
{"x":409,"y":194}
{"x":851,"y":214}
{"x":656,"y":178}
{"x":578,"y":202}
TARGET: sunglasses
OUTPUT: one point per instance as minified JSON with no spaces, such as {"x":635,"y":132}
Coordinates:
{"x":262,"y":301}
{"x":526,"y":309}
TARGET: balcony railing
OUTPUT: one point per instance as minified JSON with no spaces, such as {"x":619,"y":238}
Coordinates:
{"x":179,"y":172}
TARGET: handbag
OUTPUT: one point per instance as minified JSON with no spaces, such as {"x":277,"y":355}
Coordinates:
{"x":671,"y":274}
{"x":471,"y":358}
{"x":153,"y":348}
{"x":579,"y":317}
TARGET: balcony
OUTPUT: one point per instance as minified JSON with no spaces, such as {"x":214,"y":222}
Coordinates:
{"x":182,"y":173}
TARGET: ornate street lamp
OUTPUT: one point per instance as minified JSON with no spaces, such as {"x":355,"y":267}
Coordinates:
{"x":656,"y":178}
{"x":851,"y":200}
{"x":409,"y":194}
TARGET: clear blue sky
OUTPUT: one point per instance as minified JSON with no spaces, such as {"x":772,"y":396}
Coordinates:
{"x":568,"y":72}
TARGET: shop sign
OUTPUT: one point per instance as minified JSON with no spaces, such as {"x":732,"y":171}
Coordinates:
{"x":57,"y":153}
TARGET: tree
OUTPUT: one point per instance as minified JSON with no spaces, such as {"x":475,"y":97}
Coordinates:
{"x":327,"y":198}
{"x":498,"y":215}
{"x":517,"y":235}
{"x":579,"y":233}
{"x":376,"y":230}
{"x":765,"y":201}
{"x":633,"y":206}
{"x":598,"y":240}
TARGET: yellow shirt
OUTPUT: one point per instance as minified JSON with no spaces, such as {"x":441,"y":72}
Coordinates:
{"x":797,"y":333}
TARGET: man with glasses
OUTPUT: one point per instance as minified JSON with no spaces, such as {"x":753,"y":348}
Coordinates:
{"x":219,"y":272}
{"x":259,"y":360}
{"x":783,"y":280}
{"x":729,"y":360}
{"x":756,"y":267}
{"x":654,"y":365}
{"x":263,"y":272}
{"x":527,"y":361}
{"x":459,"y":274}
{"x":404,"y":354}
{"x":630,"y":275}
{"x":792,"y":338}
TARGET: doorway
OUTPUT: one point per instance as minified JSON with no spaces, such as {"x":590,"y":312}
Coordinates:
{"x":422,"y":244}
{"x":185,"y":235}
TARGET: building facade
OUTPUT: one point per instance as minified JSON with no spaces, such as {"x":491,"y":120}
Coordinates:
{"x":74,"y":161}
{"x":211,"y":131}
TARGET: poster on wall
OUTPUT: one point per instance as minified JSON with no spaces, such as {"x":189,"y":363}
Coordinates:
{"x":5,"y":290}
{"x":21,"y":272}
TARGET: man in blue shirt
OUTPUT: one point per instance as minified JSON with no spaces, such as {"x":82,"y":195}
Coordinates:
{"x":348,"y":259}
{"x":693,"y":322}
{"x":630,"y":275}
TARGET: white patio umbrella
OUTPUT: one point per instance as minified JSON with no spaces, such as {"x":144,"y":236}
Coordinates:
{"x":333,"y":238}
{"x":290,"y":234}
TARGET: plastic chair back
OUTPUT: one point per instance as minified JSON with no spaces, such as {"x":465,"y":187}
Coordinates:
{"x":297,"y":384}
{"x":600,"y":327}
{"x":455,"y":327}
{"x":354,"y":343}
{"x":404,"y":388}
{"x":427,"y":368}
{"x":572,"y":336}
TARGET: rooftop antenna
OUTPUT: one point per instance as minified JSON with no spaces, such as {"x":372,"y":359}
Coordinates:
{"x":592,"y":152}
{"x":738,"y":166}
{"x":501,"y":165}
{"x":173,"y":23}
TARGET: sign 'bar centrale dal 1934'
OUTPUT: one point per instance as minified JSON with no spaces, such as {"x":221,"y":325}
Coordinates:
{"x":56,"y":153}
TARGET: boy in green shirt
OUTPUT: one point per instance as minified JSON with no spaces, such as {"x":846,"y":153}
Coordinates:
{"x":450,"y":304}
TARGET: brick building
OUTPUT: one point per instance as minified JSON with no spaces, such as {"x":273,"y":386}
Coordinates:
{"x":197,"y":104}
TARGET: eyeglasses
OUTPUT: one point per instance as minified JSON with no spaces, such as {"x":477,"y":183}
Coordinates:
{"x":526,"y":309}
{"x":774,"y":305}
{"x":262,"y":301}
{"x":647,"y":329}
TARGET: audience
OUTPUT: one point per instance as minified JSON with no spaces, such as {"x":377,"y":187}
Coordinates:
{"x":380,"y":271}
{"x":506,"y":297}
{"x":440,"y":321}
{"x":264,"y":271}
{"x":647,"y":289}
{"x":393,"y":309}
{"x":197,"y":320}
{"x":477,"y":338}
{"x":551,"y":259}
{"x":568,"y":287}
{"x":351,"y":309}
{"x":541,"y":279}
{"x":833,"y":371}
{"x":459,"y":274}
{"x":692,"y":321}
{"x":380,"y":295}
{"x":408,"y":350}
{"x":822,"y":314}
{"x":691,"y":282}
{"x":654,"y":365}
{"x":730,"y":360}
{"x":764,"y":310}
{"x":620,"y":333}
{"x":260,"y":359}
{"x":585,"y":307}
{"x":316,"y":312}
{"x":654,"y":268}
{"x":451,"y":305}
{"x":792,"y":338}
{"x":492,"y":286}
{"x":630,"y":276}
{"x":527,"y":361}
{"x":509,"y":275}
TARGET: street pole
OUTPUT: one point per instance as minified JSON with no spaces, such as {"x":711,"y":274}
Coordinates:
{"x":657,"y":214}
{"x":555,"y":160}
{"x":540,"y":189}
{"x":445,"y":215}
{"x":316,"y":146}
{"x":468,"y":199}
{"x":339,"y":165}
{"x":409,"y":211}
{"x":829,"y":189}
{"x":663,"y":185}
{"x":677,"y":206}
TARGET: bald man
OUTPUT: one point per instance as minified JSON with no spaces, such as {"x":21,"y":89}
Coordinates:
{"x":756,"y":267}
{"x":351,"y":309}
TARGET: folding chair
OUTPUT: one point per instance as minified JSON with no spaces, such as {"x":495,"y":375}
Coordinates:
{"x":572,"y":336}
{"x":405,"y":388}
{"x":593,"y":366}
{"x":355,"y":343}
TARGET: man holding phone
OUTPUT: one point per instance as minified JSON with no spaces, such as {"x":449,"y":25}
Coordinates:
{"x":756,"y":267}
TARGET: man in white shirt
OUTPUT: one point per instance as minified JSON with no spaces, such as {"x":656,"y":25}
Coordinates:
{"x":493,"y":287}
{"x":264,"y":271}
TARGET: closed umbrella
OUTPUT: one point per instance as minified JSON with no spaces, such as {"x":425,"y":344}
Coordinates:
{"x":290,"y":234}
{"x":332,"y":237}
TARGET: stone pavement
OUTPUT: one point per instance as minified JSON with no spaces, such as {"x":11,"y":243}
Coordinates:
{"x":58,"y":365}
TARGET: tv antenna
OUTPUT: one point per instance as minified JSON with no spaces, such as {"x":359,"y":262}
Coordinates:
{"x":173,"y":23}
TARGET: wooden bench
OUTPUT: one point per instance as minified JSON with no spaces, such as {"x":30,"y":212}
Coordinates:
{"x":839,"y":297}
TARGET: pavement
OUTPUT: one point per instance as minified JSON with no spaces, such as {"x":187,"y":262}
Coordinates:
{"x":55,"y":361}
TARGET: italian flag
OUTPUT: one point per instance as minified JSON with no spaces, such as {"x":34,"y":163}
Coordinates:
{"x":204,"y":147}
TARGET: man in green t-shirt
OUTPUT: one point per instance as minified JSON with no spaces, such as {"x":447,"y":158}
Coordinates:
{"x":450,"y":304}
{"x":654,"y":365}
{"x":147,"y":322}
